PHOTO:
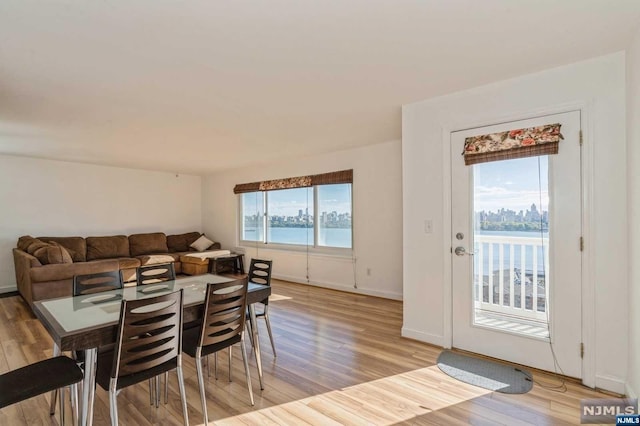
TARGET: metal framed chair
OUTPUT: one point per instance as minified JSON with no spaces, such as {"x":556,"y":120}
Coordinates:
{"x":222,"y":327}
{"x":42,"y":377}
{"x":153,"y":274}
{"x":95,"y":283}
{"x":86,"y":284}
{"x":260,"y":273}
{"x":149,"y":343}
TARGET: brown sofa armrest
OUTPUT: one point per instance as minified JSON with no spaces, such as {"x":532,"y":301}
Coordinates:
{"x":64,"y":271}
{"x":23,"y":263}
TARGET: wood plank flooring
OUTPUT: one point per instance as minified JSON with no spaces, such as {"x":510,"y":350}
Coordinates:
{"x":341,"y":361}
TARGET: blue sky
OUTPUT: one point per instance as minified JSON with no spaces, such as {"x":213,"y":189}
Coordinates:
{"x":512,"y":184}
{"x":287,"y":202}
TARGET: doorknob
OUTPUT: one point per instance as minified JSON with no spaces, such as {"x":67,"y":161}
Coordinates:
{"x":461,"y":251}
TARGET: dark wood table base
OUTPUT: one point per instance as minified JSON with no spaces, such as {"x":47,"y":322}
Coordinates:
{"x":235,"y":259}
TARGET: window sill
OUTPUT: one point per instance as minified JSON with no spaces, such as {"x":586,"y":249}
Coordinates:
{"x":316,"y":251}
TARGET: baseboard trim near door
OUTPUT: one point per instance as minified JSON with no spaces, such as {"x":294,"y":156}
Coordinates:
{"x":421,"y":336}
{"x":611,"y":384}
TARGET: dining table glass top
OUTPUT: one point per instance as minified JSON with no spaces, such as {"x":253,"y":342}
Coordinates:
{"x":91,"y":310}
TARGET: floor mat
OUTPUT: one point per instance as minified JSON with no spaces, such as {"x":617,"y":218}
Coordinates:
{"x":484,"y":373}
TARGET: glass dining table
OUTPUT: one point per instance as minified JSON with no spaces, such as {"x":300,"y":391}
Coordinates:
{"x":89,"y":321}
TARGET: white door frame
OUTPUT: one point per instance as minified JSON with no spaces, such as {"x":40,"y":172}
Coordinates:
{"x":588,"y":289}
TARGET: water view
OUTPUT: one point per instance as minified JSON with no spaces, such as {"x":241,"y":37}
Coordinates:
{"x":538,"y":239}
{"x":331,"y":237}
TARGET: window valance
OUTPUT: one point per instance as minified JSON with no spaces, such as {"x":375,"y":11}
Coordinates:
{"x":519,"y":143}
{"x":343,"y":176}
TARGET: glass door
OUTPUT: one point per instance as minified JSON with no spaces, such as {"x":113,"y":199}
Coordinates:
{"x":516,"y":259}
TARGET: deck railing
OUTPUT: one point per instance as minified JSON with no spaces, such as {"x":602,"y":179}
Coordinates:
{"x":511,"y":275}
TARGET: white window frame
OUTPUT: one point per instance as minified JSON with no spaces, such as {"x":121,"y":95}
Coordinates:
{"x":315,"y":248}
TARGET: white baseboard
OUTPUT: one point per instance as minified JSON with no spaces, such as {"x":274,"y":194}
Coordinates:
{"x":341,"y":287}
{"x":8,"y":289}
{"x":630,"y":393}
{"x":611,"y":383}
{"x":423,"y":337}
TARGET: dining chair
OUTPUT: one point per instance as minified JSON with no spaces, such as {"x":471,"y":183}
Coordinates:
{"x":41,"y":377}
{"x":87,"y":284}
{"x":95,"y":283}
{"x":148,"y":343}
{"x":222,"y":327}
{"x":153,"y":274}
{"x":260,"y":273}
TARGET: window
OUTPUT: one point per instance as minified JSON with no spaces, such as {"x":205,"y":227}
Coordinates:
{"x":252,"y":216}
{"x":290,"y":216}
{"x":316,"y":216}
{"x":334,"y":215}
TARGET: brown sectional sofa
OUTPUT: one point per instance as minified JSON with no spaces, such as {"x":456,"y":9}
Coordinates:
{"x":45,"y":266}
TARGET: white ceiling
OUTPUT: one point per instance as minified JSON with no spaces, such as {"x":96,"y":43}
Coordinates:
{"x":197,"y":86}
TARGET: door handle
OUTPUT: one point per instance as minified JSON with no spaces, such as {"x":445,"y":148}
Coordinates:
{"x":461,"y":251}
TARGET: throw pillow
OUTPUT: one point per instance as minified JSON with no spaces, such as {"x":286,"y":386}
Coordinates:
{"x":52,"y":254}
{"x":35,"y":245}
{"x":24,"y":242}
{"x":202,"y":243}
{"x":65,"y":253}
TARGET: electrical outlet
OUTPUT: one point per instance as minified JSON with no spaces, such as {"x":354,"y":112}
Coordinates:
{"x":428,"y":226}
{"x":369,"y":271}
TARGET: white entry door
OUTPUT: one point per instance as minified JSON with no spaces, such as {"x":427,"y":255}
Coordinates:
{"x":516,"y":252}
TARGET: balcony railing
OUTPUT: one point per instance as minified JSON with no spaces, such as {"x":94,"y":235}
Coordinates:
{"x":511,"y":275}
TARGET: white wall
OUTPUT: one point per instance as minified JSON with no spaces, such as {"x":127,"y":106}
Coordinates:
{"x":55,"y":198}
{"x":633,"y":172}
{"x":377,"y":219}
{"x":599,"y":84}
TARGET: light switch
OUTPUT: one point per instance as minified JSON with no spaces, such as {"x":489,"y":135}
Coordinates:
{"x":428,"y":226}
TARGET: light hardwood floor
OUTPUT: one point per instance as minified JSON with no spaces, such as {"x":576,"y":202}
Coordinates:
{"x":340,"y":360}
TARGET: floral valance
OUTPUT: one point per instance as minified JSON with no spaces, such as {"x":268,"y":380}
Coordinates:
{"x":519,"y":143}
{"x":343,"y":176}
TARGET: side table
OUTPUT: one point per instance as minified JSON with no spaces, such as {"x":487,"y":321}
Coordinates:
{"x":236,"y":260}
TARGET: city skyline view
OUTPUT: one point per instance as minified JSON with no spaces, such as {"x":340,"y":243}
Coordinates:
{"x":503,"y":219}
{"x":302,"y":219}
{"x":294,"y":208}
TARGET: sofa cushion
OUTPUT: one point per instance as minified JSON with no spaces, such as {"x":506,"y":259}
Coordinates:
{"x":155,"y":259}
{"x":128,"y":262}
{"x":181,"y":242}
{"x":111,"y":247}
{"x":52,"y":254}
{"x":24,"y":242}
{"x":140,"y":244}
{"x":76,"y":246}
{"x":202,"y":243}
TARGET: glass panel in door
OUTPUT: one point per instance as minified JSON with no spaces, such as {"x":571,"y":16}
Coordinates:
{"x":511,"y":245}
